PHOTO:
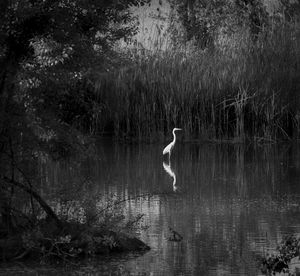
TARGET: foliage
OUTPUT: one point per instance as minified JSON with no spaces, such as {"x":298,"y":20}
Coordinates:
{"x":291,"y":9}
{"x":287,"y":250}
{"x":48,"y":47}
{"x":202,"y":21}
{"x":49,"y":50}
{"x":241,"y":89}
{"x":104,"y":229}
{"x":107,"y":213}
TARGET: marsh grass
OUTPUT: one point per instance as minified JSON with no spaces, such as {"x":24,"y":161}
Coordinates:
{"x":243,"y":88}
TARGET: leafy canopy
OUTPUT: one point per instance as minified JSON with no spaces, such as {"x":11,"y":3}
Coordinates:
{"x":69,"y":32}
{"x":47,"y":47}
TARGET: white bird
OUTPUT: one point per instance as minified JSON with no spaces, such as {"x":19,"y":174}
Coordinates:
{"x":168,"y":148}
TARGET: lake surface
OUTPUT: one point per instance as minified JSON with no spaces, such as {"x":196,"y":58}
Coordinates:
{"x":230,"y":203}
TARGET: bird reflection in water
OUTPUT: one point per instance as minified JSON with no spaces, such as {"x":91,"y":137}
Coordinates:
{"x":168,"y":169}
{"x":168,"y":150}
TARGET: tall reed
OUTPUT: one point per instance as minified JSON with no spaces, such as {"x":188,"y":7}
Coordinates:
{"x":244,"y":89}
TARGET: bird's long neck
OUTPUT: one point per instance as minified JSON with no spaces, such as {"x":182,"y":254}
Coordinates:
{"x":174,"y":137}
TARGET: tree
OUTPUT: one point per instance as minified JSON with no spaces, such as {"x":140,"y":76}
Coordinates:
{"x":48,"y":48}
{"x":202,"y":20}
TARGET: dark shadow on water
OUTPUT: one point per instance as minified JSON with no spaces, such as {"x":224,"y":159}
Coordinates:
{"x":106,"y":265}
{"x":231,"y":203}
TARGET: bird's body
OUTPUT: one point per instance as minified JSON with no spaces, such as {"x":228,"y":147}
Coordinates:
{"x":168,"y":148}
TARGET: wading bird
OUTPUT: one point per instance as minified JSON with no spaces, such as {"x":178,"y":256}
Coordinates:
{"x":168,"y":148}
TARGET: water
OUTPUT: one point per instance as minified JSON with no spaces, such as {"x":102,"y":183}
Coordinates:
{"x":231,"y":204}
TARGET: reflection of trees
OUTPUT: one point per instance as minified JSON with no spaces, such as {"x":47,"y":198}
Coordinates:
{"x":240,"y":179}
{"x":236,"y":206}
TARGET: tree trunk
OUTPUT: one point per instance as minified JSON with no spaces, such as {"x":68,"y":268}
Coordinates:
{"x":37,"y":197}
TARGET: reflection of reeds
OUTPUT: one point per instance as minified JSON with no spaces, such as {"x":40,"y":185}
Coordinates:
{"x":232,"y":197}
{"x":249,"y":91}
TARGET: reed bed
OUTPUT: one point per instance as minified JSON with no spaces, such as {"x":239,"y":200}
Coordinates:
{"x":245,"y":88}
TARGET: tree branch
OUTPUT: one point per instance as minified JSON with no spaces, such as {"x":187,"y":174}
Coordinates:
{"x":36,"y":196}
